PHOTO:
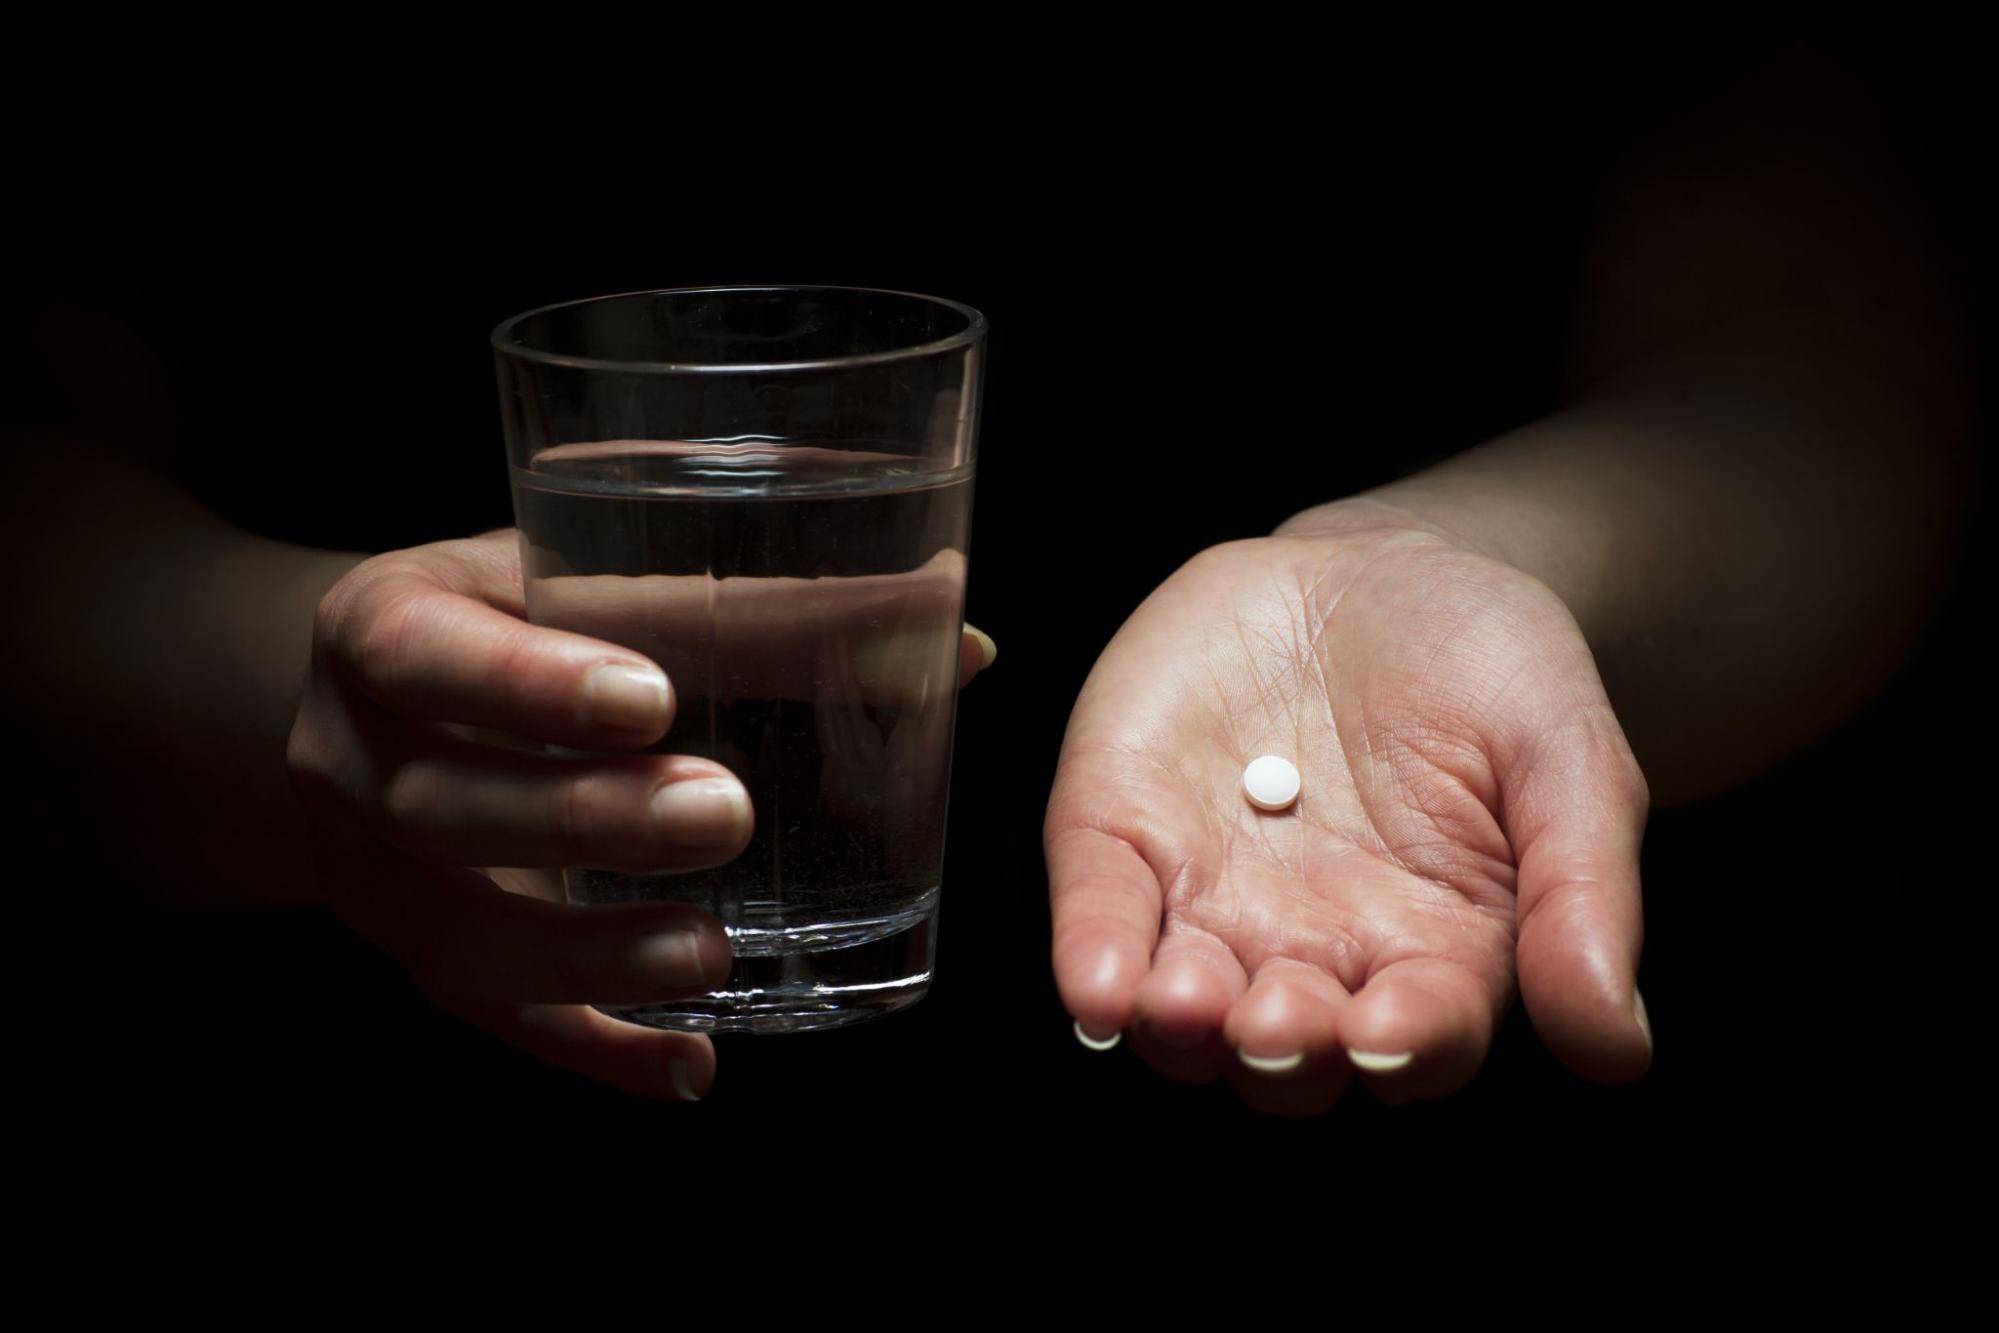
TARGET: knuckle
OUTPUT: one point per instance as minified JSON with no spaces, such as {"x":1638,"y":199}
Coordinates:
{"x":1637,"y":792}
{"x":319,"y":763}
{"x":369,"y":619}
{"x":338,"y":774}
{"x":304,"y":755}
{"x":382,"y":632}
{"x":513,"y":672}
{"x":336,"y":611}
{"x":490,"y":560}
{"x":330,"y":617}
{"x":309,"y":761}
{"x":1564,"y":902}
{"x":1621,"y":776}
{"x":408,"y":795}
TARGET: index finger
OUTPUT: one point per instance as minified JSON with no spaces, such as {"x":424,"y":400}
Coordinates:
{"x":421,"y":649}
{"x":886,"y":637}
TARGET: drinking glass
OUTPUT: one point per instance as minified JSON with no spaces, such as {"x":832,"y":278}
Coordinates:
{"x":768,"y":491}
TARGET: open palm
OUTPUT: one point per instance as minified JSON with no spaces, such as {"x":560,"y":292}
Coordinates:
{"x":1470,"y":812}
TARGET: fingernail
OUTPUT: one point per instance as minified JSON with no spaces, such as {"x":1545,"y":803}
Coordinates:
{"x":988,"y":650}
{"x":683,"y":1081}
{"x":703,"y":812}
{"x":1097,"y":1043}
{"x":1272,"y":1064}
{"x":1380,"y":1062}
{"x":630,"y":697}
{"x":672,"y":958}
{"x":1644,"y":1019}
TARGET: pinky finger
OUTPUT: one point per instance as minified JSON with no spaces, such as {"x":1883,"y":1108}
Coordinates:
{"x":646,"y":1062}
{"x":976,"y":652}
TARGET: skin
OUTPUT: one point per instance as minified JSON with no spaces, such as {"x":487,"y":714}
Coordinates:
{"x":1468,"y":797}
{"x":406,"y":754}
{"x":1485,"y":672}
{"x":367,"y":732}
{"x":419,"y":658}
{"x":1726,"y":541}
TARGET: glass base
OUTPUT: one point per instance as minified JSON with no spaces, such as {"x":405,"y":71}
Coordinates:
{"x":824,"y":975}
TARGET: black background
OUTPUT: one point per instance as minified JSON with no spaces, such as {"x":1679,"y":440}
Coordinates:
{"x":1209,"y":309}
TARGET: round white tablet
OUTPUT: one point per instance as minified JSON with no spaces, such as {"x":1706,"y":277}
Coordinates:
{"x":1270,"y":783}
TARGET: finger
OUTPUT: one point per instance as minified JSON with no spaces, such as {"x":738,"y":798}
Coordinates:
{"x":893,"y":637}
{"x":459,"y":935}
{"x":422,"y":650}
{"x":646,"y":1062}
{"x":1285,"y":1033}
{"x":1576,"y":821}
{"x":1419,"y":1027}
{"x":976,"y":652}
{"x":458,"y":803}
{"x":1106,"y":903}
{"x":537,"y":883}
{"x":684,"y":610}
{"x":1179,"y":1009}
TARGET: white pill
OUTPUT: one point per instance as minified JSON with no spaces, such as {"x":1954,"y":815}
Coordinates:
{"x":1270,"y":783}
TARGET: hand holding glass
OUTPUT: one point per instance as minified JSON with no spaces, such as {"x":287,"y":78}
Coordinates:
{"x":767,"y":491}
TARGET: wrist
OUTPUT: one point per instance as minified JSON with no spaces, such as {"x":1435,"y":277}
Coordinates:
{"x":1370,"y":511}
{"x":1576,"y":560}
{"x":223,"y":633}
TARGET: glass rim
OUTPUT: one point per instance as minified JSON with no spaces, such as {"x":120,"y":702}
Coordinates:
{"x":506,"y":344}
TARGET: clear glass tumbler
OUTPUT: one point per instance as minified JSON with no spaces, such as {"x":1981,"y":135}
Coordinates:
{"x":768,"y":491}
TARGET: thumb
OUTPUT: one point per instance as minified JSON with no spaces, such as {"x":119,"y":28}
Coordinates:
{"x":1575,"y":817}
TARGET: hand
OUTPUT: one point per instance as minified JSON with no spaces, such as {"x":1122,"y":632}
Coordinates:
{"x":850,"y":645}
{"x":417,"y":752}
{"x":1469,"y":807}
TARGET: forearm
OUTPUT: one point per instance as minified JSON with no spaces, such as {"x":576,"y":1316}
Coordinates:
{"x":1752,"y":530}
{"x":1751,"y":504}
{"x":159,"y":668}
